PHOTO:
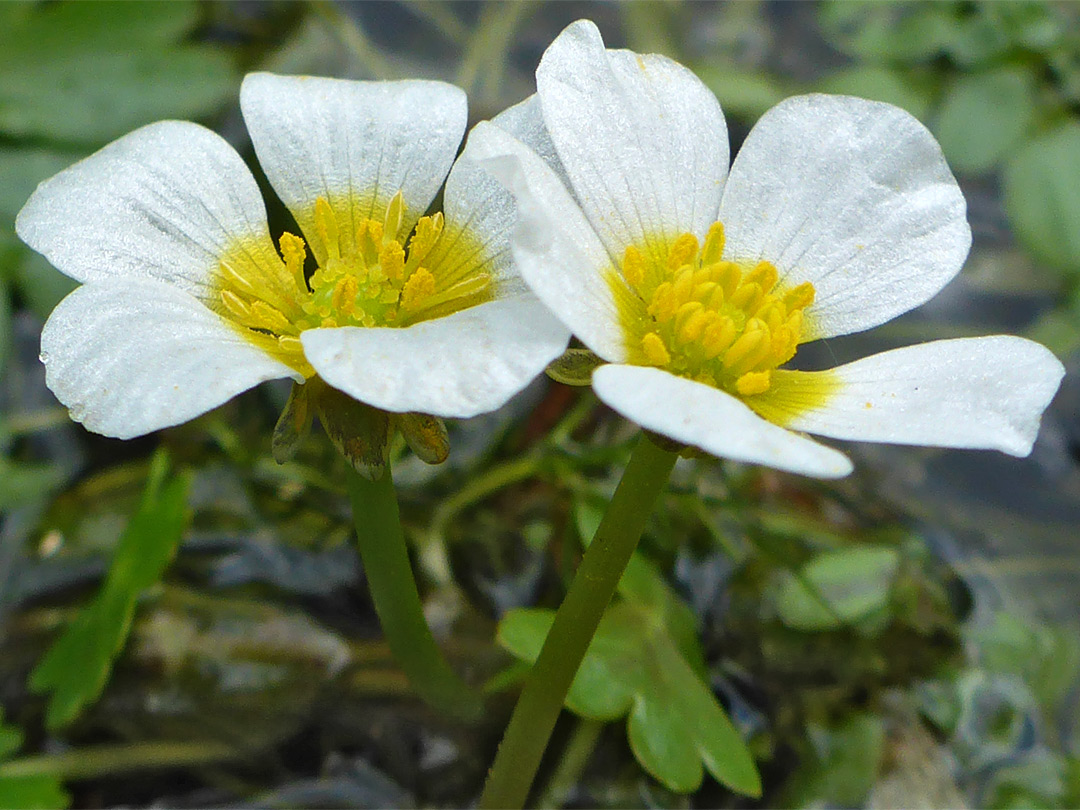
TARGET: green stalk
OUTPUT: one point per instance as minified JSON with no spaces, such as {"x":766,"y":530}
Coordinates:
{"x":575,"y":624}
{"x":393,"y":590}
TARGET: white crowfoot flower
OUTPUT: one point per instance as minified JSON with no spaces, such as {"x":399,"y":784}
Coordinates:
{"x":697,"y":285}
{"x":186,"y":301}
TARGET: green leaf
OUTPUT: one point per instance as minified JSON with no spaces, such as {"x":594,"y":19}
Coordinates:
{"x":25,"y":482}
{"x":836,"y":588}
{"x":77,"y":666}
{"x":741,"y":94}
{"x":847,"y":763}
{"x":633,"y":667}
{"x":1042,"y":197}
{"x":89,"y":72}
{"x":26,"y":792}
{"x":879,"y":84}
{"x":888,"y":32}
{"x":984,"y":115}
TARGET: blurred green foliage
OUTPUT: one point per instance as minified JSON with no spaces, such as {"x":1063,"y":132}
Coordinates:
{"x":767,"y":623}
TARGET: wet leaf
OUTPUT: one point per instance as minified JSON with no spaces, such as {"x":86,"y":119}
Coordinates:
{"x":984,"y":115}
{"x":76,"y":668}
{"x":1042,"y":197}
{"x":837,"y":588}
{"x":633,"y":667}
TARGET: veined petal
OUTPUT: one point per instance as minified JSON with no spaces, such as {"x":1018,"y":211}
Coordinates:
{"x":643,"y":140}
{"x":480,"y":216}
{"x":467,"y":363}
{"x":355,"y":144}
{"x":525,"y":121}
{"x":167,"y":201}
{"x":706,"y":417}
{"x":980,"y":393}
{"x":853,"y":196}
{"x":132,"y":356}
{"x":555,"y":249}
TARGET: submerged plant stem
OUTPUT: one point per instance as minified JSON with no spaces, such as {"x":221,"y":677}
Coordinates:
{"x":393,"y":590}
{"x":575,"y":624}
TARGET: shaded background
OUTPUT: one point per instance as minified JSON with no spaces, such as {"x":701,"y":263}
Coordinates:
{"x":942,"y":672}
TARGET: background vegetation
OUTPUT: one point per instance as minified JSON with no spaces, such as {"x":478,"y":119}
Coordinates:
{"x":184,"y":622}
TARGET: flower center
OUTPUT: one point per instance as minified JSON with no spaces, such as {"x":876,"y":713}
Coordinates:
{"x":371,"y":278}
{"x":718,"y":322}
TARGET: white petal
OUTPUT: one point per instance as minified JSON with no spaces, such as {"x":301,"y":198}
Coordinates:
{"x":165,"y":202}
{"x":356,"y":144}
{"x":643,"y":140}
{"x":985,"y":393}
{"x":133,"y":356}
{"x":480,"y":216}
{"x":707,"y":418}
{"x":555,"y":249}
{"x":465,"y":364}
{"x":525,"y":121}
{"x":853,"y":196}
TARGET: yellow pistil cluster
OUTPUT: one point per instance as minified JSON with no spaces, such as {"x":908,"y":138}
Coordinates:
{"x":728,"y":325}
{"x":371,"y":277}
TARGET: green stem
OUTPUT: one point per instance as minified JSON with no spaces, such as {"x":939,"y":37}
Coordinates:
{"x":104,"y":760}
{"x":575,"y":757}
{"x":393,"y":590}
{"x":575,"y":624}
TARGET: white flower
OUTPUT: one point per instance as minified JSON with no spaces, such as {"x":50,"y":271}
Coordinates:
{"x":696,"y":284}
{"x":186,"y":301}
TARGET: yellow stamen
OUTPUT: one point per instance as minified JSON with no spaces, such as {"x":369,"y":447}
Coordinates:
{"x":721,"y":322}
{"x":655,"y":350}
{"x":365,"y":278}
{"x":419,"y":287}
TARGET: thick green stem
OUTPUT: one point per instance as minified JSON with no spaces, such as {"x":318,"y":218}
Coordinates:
{"x":575,"y":624}
{"x":393,"y":590}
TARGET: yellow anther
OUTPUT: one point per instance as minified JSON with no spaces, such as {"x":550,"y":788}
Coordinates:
{"x":428,"y":231}
{"x":326,"y":226}
{"x":747,"y":297}
{"x":392,"y":260}
{"x":683,"y":286}
{"x":265,"y":316}
{"x":369,"y":241}
{"x":293,"y":253}
{"x":684,"y":312}
{"x":633,"y":267}
{"x":663,"y":305}
{"x":718,"y":336}
{"x":745,"y":350}
{"x":764,"y":275}
{"x":235,"y":304}
{"x":655,"y":350}
{"x":345,"y":291}
{"x":704,"y":291}
{"x":395,"y":215}
{"x":693,"y":327}
{"x":683,"y":251}
{"x":419,"y":287}
{"x":753,"y":382}
{"x":799,"y":296}
{"x":714,"y":244}
{"x":728,"y":276}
